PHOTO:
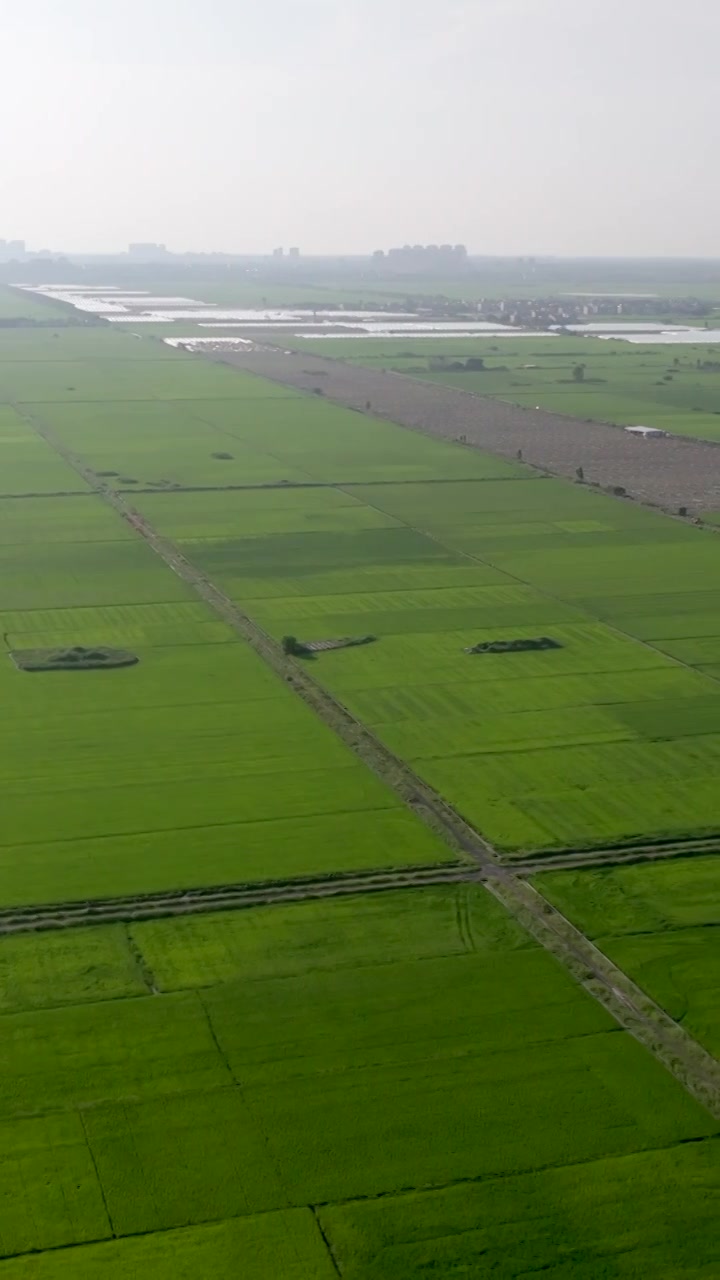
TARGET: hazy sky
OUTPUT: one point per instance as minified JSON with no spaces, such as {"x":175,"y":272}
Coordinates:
{"x":515,"y":126}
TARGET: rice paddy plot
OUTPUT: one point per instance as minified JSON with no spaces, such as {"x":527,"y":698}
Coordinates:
{"x":78,"y":801}
{"x":71,"y":966}
{"x":681,"y":971}
{"x":321,"y":511}
{"x":696,"y":651}
{"x":658,"y":922}
{"x":84,"y":518}
{"x":622,"y":609}
{"x":524,"y":500}
{"x":584,"y":795}
{"x":64,"y":575}
{"x":398,"y":703}
{"x":160,"y":443}
{"x":490,"y":593}
{"x":157,"y":1171}
{"x":167,"y":674}
{"x":351,"y":553}
{"x":251,"y":583}
{"x":674,"y":718}
{"x":276,"y":848}
{"x":679,"y":624}
{"x":285,"y":941}
{"x":63,"y":344}
{"x":440,"y":657}
{"x":223,"y":739}
{"x":59,"y":1060}
{"x":447,"y":1039}
{"x":28,"y":464}
{"x":494,"y":541}
{"x":283,"y":1243}
{"x":335,"y":444}
{"x":393,"y":613}
{"x":180,"y":622}
{"x":645,"y":899}
{"x":49,"y":1190}
{"x":518,"y":731}
{"x":688,"y":566}
{"x":230,"y":514}
{"x":37,"y":383}
{"x":571,"y":1222}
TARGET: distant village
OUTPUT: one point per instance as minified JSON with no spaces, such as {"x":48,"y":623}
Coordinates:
{"x":541,"y":313}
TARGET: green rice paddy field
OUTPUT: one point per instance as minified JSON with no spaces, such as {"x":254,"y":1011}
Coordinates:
{"x":674,"y":387}
{"x":382,"y":1086}
{"x":404,"y":1084}
{"x":611,"y":737}
{"x":203,"y":767}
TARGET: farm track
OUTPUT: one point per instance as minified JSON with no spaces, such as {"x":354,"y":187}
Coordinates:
{"x":230,"y":897}
{"x":672,"y":472}
{"x":691,"y":1065}
{"x":616,"y":856}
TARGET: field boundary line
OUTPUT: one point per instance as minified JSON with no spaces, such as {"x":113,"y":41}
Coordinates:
{"x":321,"y":1231}
{"x":683,"y":1056}
{"x":113,"y":1233}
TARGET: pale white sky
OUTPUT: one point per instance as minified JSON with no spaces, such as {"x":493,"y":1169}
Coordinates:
{"x":515,"y":126}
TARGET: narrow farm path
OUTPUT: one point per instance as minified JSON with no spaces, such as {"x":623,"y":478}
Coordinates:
{"x":226,"y":897}
{"x":691,"y":1065}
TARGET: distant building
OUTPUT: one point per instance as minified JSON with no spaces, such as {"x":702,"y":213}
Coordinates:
{"x":147,"y":251}
{"x":294,"y":252}
{"x":421,"y":258}
{"x":12,"y":250}
{"x":278,"y":253}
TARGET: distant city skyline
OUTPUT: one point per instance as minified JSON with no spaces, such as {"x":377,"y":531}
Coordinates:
{"x":541,"y":127}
